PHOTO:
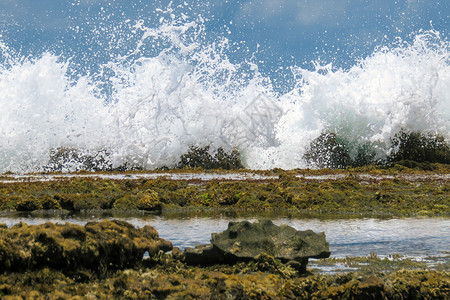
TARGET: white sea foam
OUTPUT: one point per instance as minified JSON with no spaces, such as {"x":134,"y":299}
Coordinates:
{"x":189,"y":93}
{"x":394,"y":88}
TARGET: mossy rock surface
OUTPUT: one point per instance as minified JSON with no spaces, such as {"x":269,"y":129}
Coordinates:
{"x":248,"y":240}
{"x":377,"y":192}
{"x":245,"y":241}
{"x":97,"y":246}
{"x":169,"y":279}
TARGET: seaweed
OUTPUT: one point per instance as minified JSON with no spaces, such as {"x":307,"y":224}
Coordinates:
{"x":98,"y":246}
{"x":169,"y":278}
{"x":344,"y":193}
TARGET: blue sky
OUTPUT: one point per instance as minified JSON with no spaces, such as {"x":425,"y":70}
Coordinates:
{"x":288,"y":32}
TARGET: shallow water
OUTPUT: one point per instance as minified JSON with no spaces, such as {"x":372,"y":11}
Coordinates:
{"x":205,"y":176}
{"x":412,"y":237}
{"x":134,"y":176}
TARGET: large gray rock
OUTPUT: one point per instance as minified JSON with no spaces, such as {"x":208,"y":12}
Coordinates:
{"x":244,"y":241}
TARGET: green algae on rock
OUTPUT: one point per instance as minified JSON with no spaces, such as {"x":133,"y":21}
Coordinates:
{"x":172,"y":280}
{"x":97,"y":246}
{"x":374,"y":192}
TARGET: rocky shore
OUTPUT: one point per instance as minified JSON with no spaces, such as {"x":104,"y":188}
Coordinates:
{"x":397,"y":191}
{"x":170,"y":279}
{"x":113,"y":259}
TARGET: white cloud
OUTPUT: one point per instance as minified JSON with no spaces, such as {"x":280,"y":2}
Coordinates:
{"x":9,"y":2}
{"x":264,"y":9}
{"x":321,"y":12}
{"x":305,"y":12}
{"x":88,"y":2}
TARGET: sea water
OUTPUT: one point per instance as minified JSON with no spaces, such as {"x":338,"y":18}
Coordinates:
{"x":144,"y":92}
{"x":417,"y":238}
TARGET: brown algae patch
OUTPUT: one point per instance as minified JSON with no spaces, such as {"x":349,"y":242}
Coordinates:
{"x":166,"y":277}
{"x":343,"y":193}
{"x":97,"y":246}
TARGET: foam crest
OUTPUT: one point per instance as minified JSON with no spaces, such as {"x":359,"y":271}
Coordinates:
{"x":41,"y":109}
{"x":398,"y":87}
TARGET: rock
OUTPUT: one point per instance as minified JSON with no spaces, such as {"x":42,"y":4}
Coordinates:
{"x":367,"y":288}
{"x":177,"y":253}
{"x":299,"y":266}
{"x":97,"y":246}
{"x":244,"y":241}
{"x":203,"y":255}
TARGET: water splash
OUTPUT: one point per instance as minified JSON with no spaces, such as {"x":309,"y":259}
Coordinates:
{"x":402,"y":86}
{"x":174,"y":87}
